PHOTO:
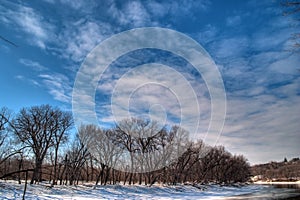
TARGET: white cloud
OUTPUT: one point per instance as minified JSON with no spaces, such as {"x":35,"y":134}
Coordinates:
{"x":258,"y":116}
{"x":74,"y":4}
{"x":137,"y":13}
{"x":50,"y":1}
{"x":132,"y":14}
{"x":177,"y":9}
{"x":28,"y":80}
{"x":264,"y":59}
{"x":157,"y":9}
{"x":231,"y":47}
{"x":84,"y":6}
{"x":288,"y":65}
{"x":264,"y":123}
{"x":33,"y":64}
{"x":58,"y":86}
{"x":28,"y":20}
{"x":167,"y":90}
{"x":266,"y":40}
{"x":207,"y":34}
{"x":233,"y":21}
{"x":80,"y":37}
{"x":263,"y":91}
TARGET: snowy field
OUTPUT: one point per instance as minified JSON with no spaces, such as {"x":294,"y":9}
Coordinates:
{"x":12,"y":190}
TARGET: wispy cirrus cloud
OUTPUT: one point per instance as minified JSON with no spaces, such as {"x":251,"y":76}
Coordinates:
{"x":26,"y":19}
{"x":177,"y":9}
{"x":154,"y":91}
{"x":132,"y":13}
{"x":58,"y":85}
{"x":33,"y":64}
{"x":263,"y":122}
{"x":250,"y":46}
{"x":28,"y":80}
{"x":79,"y":4}
{"x":262,"y":83}
{"x":233,"y":21}
{"x":80,"y":37}
{"x":138,"y":13}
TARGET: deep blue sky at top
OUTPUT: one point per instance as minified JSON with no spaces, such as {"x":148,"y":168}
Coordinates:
{"x":248,"y":40}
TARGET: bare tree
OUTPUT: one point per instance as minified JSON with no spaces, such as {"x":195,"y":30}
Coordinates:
{"x":36,"y":126}
{"x":148,"y":146}
{"x":124,"y":136}
{"x":238,"y":169}
{"x":104,"y":151}
{"x":7,"y":148}
{"x":136,"y":150}
{"x":75,"y":159}
{"x":64,"y":122}
{"x":4,"y":122}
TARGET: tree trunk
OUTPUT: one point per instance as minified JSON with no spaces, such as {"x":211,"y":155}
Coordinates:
{"x":130,"y":178}
{"x":125,"y":177}
{"x":100,"y":175}
{"x":25,"y":187}
{"x":20,"y":168}
{"x":55,"y":167}
{"x":37,"y":173}
{"x":140,"y":178}
{"x":107,"y":174}
{"x":92,"y":168}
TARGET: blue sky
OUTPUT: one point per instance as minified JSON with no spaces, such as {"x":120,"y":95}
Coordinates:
{"x":249,"y":41}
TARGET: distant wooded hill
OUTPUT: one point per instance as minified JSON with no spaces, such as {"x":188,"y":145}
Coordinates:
{"x":277,"y":171}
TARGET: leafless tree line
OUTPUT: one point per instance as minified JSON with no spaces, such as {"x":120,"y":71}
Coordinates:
{"x":135,"y":151}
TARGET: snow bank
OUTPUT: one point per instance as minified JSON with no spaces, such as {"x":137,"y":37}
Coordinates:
{"x":277,"y":182}
{"x":12,"y":190}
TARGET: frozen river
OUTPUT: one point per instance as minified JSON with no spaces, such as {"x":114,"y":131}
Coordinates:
{"x":271,"y":192}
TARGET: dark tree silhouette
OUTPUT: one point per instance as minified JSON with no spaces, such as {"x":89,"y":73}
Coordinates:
{"x":36,"y":127}
{"x":64,"y":122}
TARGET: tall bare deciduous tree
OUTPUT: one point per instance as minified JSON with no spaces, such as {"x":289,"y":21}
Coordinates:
{"x":40,"y":127}
{"x":64,"y":122}
{"x":7,"y":148}
{"x":102,"y":148}
{"x":76,"y":157}
{"x":149,"y":147}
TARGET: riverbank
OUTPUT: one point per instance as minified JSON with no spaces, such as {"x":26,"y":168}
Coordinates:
{"x":277,"y":182}
{"x":272,"y":191}
{"x":13,"y":190}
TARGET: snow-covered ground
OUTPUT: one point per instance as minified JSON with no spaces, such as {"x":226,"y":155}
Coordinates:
{"x":277,"y":182}
{"x":12,"y":190}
